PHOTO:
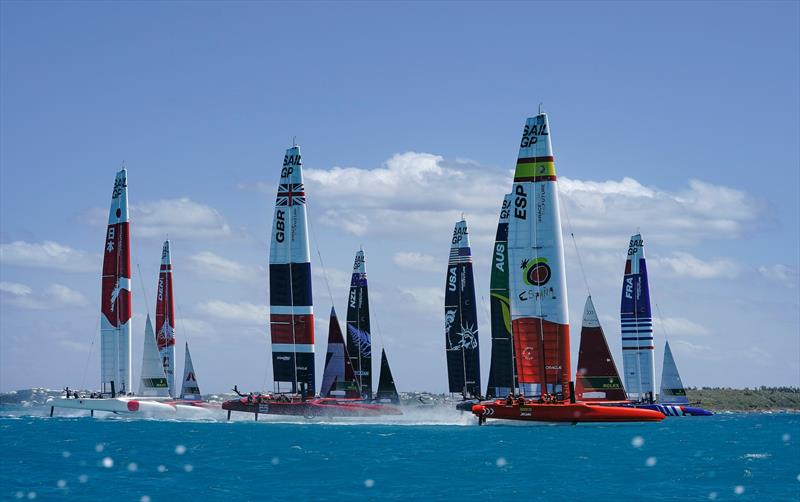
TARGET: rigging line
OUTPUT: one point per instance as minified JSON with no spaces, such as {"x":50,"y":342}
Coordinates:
{"x":577,"y":251}
{"x":91,"y":347}
{"x":330,"y":294}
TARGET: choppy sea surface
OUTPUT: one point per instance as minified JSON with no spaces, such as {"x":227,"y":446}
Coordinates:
{"x":427,"y":454}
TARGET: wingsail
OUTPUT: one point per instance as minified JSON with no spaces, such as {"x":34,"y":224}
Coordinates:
{"x":461,"y":318}
{"x":291,"y":311}
{"x":637,"y":326}
{"x":598,"y":378}
{"x":359,"y":340}
{"x":165,"y":318}
{"x":537,"y":283}
{"x":502,"y":372}
{"x":115,"y":301}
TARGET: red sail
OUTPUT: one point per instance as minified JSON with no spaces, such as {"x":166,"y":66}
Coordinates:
{"x":542,"y":349}
{"x":598,"y":378}
{"x":116,"y":296}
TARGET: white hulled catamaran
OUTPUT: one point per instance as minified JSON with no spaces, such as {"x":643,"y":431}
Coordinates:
{"x":116,"y":388}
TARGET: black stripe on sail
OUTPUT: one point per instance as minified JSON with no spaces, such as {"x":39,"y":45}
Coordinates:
{"x":300,"y":284}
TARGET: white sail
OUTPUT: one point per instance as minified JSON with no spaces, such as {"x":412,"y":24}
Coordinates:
{"x":672,"y":390}
{"x":153,"y":382}
{"x":189,"y":389}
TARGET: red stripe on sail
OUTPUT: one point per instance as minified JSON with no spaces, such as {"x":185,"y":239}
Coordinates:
{"x":542,"y":349}
{"x":165,"y":310}
{"x":115,"y":302}
{"x":281,"y":328}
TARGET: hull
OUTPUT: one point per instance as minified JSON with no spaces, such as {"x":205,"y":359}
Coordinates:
{"x":675,"y":410}
{"x":311,"y":408}
{"x":127,"y":405}
{"x":567,"y":412}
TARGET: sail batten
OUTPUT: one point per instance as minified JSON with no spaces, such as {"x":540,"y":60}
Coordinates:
{"x":115,"y":302}
{"x":359,"y":335}
{"x":291,"y":311}
{"x":637,"y":325}
{"x":165,"y":318}
{"x":502,"y":371}
{"x":537,"y":283}
{"x":461,"y":318}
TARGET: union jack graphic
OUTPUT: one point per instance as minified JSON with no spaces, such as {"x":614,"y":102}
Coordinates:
{"x":290,"y":194}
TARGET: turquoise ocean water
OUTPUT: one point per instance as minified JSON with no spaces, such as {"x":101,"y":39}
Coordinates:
{"x":425,"y":455}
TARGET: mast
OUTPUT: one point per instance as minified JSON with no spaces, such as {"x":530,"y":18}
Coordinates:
{"x":115,"y":300}
{"x":291,"y":311}
{"x":597,"y":378}
{"x":461,"y":318}
{"x":386,"y":388}
{"x":189,"y":389}
{"x":672,"y":390}
{"x":165,"y":318}
{"x":359,"y":341}
{"x":339,"y":378}
{"x":153,"y":382}
{"x":502,"y":372}
{"x":637,"y":325}
{"x":538,"y":285}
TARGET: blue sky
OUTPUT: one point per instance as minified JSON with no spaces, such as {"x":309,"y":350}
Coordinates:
{"x":681,"y":121}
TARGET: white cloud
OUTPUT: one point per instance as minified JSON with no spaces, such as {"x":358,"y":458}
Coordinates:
{"x":417,"y":261}
{"x":605,"y":212}
{"x":178,"y":218}
{"x":780,"y":273}
{"x":242,"y":313}
{"x":415,"y":192}
{"x":55,"y":295}
{"x":428,"y":299}
{"x":687,"y":265}
{"x":212,"y":265}
{"x":66,"y":296}
{"x":50,"y":255}
{"x":15,"y":288}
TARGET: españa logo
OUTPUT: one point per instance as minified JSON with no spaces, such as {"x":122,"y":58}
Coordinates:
{"x":536,"y":273}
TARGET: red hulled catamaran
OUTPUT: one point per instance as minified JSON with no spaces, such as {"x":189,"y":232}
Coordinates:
{"x":538,"y":295}
{"x":292,"y":320}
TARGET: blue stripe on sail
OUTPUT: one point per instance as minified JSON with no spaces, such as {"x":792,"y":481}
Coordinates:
{"x":625,"y":338}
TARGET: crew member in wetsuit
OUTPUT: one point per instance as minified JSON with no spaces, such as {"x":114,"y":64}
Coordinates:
{"x":510,"y":399}
{"x":521,"y":399}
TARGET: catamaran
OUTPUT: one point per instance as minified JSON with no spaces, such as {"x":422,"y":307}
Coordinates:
{"x":538,"y":293}
{"x":638,"y":348}
{"x":461,"y":321}
{"x":116,"y":391}
{"x":292,"y":317}
{"x":502,"y":372}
